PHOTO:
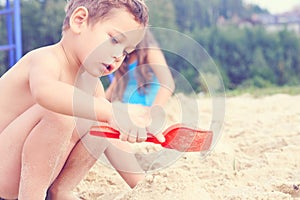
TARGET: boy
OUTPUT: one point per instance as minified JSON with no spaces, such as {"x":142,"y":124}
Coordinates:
{"x":46,"y":98}
{"x":146,"y":57}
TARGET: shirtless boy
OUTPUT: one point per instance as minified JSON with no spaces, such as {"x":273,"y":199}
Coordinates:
{"x":44,"y":95}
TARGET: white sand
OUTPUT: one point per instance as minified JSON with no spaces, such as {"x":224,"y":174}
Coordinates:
{"x":257,"y":157}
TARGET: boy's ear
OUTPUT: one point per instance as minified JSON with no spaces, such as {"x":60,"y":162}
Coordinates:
{"x":79,"y":19}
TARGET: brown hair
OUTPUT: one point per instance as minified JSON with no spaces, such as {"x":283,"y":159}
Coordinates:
{"x":99,"y":9}
{"x":143,"y":72}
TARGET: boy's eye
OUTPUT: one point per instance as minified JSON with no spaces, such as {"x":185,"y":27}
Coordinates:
{"x":125,"y":53}
{"x":129,"y":51}
{"x":114,"y":40}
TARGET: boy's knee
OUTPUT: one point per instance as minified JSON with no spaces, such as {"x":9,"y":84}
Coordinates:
{"x":60,"y":193}
{"x":54,"y":192}
{"x":10,"y":190}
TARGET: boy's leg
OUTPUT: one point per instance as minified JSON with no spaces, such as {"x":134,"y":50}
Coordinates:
{"x":78,"y":164}
{"x":84,"y":156}
{"x":122,"y":158}
{"x":81,"y":159}
{"x":12,"y":139}
{"x":43,"y":149}
{"x":31,"y":146}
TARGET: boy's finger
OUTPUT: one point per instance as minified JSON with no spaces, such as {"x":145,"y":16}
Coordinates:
{"x":160,"y":137}
{"x":142,"y":135}
{"x":131,"y":139}
{"x":123,"y":136}
{"x":132,"y":136}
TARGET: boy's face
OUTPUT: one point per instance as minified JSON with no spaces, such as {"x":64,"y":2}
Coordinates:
{"x":106,"y":44}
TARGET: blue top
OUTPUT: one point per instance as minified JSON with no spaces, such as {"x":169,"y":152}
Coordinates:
{"x":131,"y":94}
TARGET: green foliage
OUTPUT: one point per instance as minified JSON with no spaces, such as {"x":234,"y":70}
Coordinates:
{"x":186,"y":76}
{"x":289,"y":61}
{"x":3,"y":41}
{"x":255,"y":82}
{"x":253,"y":57}
{"x":44,"y":26}
{"x":31,"y":25}
{"x":166,"y":19}
{"x":260,"y":69}
{"x":259,"y":92}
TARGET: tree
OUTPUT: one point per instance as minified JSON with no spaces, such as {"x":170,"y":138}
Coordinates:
{"x":289,"y":64}
{"x":44,"y":27}
{"x":260,"y":70}
{"x":162,"y":14}
{"x":52,"y":19}
{"x":3,"y":41}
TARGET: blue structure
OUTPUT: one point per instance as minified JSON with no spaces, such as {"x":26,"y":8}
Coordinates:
{"x":14,"y":31}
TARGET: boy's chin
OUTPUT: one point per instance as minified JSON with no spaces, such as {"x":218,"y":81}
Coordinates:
{"x":94,"y":73}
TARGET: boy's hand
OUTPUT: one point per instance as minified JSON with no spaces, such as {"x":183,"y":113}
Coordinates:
{"x":130,"y":120}
{"x":157,"y":118}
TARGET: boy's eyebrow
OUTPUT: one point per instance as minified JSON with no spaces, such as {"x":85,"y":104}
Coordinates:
{"x":120,"y":33}
{"x":124,"y":37}
{"x":130,"y":49}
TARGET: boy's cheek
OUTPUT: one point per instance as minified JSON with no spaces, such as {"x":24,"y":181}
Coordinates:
{"x":121,"y":61}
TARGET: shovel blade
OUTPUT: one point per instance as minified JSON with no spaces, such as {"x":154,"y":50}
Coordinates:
{"x":186,"y":139}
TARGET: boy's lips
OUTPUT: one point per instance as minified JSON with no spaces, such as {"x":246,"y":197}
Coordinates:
{"x":108,"y":67}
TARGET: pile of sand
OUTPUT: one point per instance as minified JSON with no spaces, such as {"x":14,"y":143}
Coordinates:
{"x":257,"y":157}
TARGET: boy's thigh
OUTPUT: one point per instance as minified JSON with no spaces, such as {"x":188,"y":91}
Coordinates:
{"x":13,"y":137}
{"x":18,"y":130}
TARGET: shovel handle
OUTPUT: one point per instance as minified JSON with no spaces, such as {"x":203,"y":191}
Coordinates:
{"x":109,"y":132}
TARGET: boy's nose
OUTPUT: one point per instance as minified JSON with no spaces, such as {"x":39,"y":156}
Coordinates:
{"x":118,"y":58}
{"x":118,"y":54}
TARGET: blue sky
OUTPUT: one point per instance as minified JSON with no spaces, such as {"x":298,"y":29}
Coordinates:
{"x":275,"y":6}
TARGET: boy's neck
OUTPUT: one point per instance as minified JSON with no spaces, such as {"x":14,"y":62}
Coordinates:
{"x":68,"y":54}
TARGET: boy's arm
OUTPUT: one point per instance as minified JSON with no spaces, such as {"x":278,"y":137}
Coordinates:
{"x":60,"y":97}
{"x":57,"y":96}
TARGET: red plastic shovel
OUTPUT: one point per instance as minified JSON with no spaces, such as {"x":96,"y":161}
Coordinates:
{"x":178,"y":136}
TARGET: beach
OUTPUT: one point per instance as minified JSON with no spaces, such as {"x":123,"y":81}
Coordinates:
{"x":256,"y":156}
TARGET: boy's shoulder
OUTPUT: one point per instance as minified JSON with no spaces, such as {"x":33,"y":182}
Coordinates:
{"x":44,"y":54}
{"x":48,"y":55}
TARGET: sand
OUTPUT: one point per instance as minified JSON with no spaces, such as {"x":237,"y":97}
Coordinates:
{"x":257,"y":156}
